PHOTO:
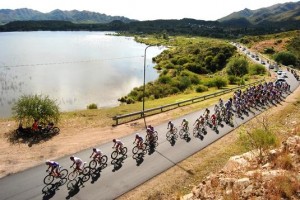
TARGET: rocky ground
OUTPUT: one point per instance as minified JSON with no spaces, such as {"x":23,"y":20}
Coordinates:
{"x":243,"y":178}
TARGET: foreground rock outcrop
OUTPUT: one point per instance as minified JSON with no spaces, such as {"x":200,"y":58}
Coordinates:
{"x":243,"y":178}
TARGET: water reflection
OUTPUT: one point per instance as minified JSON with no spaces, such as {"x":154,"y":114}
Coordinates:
{"x":75,"y":68}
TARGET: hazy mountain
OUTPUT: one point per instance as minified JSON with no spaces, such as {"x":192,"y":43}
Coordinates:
{"x":277,"y":13}
{"x":75,"y":16}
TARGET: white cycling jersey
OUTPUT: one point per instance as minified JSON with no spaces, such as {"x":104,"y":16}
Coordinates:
{"x":77,"y":160}
{"x":98,"y":152}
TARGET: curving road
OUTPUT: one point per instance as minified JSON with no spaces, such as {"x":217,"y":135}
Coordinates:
{"x":120,"y":176}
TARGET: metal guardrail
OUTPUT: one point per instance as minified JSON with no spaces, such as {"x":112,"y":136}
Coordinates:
{"x":151,"y":111}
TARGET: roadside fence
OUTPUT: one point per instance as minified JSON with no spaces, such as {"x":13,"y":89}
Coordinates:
{"x":152,"y":111}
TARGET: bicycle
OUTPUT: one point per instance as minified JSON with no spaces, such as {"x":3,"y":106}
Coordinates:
{"x":184,"y":132}
{"x":172,"y":134}
{"x":50,"y":177}
{"x":154,"y":138}
{"x":76,"y":172}
{"x":136,"y":148}
{"x":116,"y":152}
{"x":95,"y":161}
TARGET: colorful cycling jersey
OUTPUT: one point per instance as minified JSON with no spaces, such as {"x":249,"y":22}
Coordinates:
{"x":53,"y":164}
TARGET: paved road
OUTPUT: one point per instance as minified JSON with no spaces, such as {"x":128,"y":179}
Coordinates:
{"x":115,"y":180}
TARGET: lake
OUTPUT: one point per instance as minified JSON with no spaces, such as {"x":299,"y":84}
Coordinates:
{"x":74,"y":68}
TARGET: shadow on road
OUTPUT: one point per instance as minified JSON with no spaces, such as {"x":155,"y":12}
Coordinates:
{"x":50,"y":190}
{"x":75,"y":185}
{"x":117,"y":163}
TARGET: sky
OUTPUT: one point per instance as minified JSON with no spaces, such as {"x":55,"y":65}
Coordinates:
{"x":147,"y":10}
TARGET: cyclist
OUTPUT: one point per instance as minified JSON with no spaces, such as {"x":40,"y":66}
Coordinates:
{"x":206,"y":113}
{"x":78,"y":163}
{"x":185,"y":124}
{"x":139,"y":140}
{"x":118,"y":144}
{"x":150,"y":133}
{"x":214,"y":119}
{"x":97,"y":154}
{"x":198,"y":123}
{"x":35,"y":125}
{"x":171,"y":126}
{"x":54,"y":168}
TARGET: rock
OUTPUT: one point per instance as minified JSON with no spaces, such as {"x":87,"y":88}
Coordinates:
{"x":242,"y":183}
{"x":236,"y":163}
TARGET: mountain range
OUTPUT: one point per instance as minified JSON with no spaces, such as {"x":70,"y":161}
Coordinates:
{"x":75,"y":16}
{"x":289,"y":11}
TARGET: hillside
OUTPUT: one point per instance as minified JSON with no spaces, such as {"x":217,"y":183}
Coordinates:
{"x":75,"y":16}
{"x":277,"y":13}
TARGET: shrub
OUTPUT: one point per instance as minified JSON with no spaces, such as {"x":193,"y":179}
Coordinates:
{"x":233,"y":79}
{"x":237,"y":67}
{"x":201,"y":88}
{"x":164,"y":79}
{"x":92,"y":106}
{"x":260,"y":139}
{"x":220,"y":82}
{"x":285,"y":58}
{"x":269,"y":50}
{"x":257,"y":69}
{"x":30,"y":107}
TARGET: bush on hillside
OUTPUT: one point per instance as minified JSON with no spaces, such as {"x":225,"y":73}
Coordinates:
{"x":238,"y":67}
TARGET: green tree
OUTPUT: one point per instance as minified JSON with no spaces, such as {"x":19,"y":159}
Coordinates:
{"x":238,"y":67}
{"x":30,"y":107}
{"x":285,"y":58}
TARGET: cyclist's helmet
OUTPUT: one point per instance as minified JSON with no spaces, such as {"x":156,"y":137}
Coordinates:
{"x":94,"y":149}
{"x":137,"y":135}
{"x":169,"y":122}
{"x":184,"y":119}
{"x":114,"y":140}
{"x":72,"y":157}
{"x":47,"y":162}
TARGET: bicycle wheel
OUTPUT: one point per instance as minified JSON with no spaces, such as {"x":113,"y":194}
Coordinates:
{"x":55,"y":130}
{"x":63,"y":173}
{"x":175,"y":130}
{"x":48,"y":179}
{"x":124,"y":150}
{"x":135,"y":150}
{"x":72,"y":175}
{"x":181,"y":133}
{"x":93,"y":164}
{"x":168,"y":134}
{"x":114,"y":155}
{"x":104,"y":160}
{"x":86,"y":171}
{"x":72,"y":185}
{"x":85,"y":178}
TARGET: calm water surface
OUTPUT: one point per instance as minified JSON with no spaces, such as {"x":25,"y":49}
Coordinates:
{"x":75,"y":68}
